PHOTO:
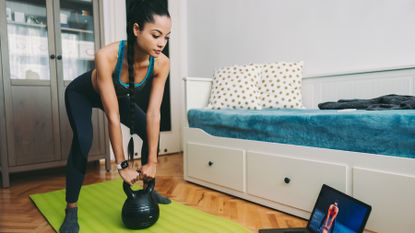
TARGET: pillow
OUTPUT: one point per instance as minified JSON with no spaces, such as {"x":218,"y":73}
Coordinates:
{"x":235,"y":87}
{"x":280,"y":85}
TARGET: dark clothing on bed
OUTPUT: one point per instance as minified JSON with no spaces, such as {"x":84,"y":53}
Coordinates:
{"x":380,"y":103}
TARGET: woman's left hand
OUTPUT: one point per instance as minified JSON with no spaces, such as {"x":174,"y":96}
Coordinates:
{"x":148,"y":171}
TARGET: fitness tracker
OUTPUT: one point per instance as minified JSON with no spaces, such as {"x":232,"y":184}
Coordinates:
{"x":123,"y":165}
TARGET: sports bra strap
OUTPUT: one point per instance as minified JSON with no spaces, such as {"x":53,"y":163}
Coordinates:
{"x":120,"y":58}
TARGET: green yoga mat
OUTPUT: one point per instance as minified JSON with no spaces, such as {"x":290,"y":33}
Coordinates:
{"x":100,"y":211}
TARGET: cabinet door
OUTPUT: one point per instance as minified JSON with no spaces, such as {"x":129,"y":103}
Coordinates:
{"x":78,"y":24}
{"x":30,"y":81}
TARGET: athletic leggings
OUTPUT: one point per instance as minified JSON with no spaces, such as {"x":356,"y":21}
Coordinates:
{"x":80,"y":98}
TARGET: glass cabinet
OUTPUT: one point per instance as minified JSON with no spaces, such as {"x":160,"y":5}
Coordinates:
{"x":27,"y":30}
{"x":44,"y":45}
{"x":27,"y":33}
{"x":77,"y":37}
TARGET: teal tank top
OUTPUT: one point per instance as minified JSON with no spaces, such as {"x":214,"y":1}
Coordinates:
{"x":141,"y":89}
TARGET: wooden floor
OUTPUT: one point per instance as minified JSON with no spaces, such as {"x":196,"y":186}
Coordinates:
{"x":18,"y":214}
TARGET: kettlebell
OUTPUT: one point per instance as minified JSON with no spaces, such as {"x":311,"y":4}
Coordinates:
{"x":140,"y":210}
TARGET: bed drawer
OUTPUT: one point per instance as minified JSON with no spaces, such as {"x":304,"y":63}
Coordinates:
{"x":293,"y":182}
{"x":393,"y":210}
{"x":217,"y":165}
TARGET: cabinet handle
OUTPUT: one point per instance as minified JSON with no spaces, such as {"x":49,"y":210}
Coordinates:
{"x":287,"y":180}
{"x":210,"y":163}
{"x":52,"y":56}
{"x":59,"y":57}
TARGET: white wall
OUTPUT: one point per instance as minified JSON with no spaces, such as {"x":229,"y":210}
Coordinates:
{"x":114,"y":15}
{"x":331,"y":36}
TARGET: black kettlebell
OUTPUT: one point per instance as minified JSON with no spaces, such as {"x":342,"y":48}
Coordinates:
{"x":140,"y":210}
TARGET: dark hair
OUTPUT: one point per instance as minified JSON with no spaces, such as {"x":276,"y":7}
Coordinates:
{"x":139,"y":12}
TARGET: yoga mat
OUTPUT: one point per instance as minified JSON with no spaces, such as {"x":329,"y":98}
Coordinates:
{"x":99,"y":210}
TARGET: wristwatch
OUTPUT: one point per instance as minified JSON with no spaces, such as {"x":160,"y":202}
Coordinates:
{"x":123,"y":165}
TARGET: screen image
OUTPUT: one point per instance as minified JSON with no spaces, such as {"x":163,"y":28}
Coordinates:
{"x":338,"y":213}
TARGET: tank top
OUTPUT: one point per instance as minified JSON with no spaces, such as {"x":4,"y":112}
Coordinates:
{"x":141,"y":89}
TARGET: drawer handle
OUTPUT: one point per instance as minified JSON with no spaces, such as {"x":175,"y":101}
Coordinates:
{"x":210,"y":163}
{"x":287,"y":180}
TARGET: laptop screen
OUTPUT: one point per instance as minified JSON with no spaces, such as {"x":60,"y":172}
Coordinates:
{"x":336,"y":212}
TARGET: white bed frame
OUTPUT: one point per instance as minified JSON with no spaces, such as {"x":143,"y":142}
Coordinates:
{"x":288,"y":177}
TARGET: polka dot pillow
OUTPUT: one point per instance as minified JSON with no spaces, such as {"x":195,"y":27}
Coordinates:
{"x":280,"y":85}
{"x":235,"y":87}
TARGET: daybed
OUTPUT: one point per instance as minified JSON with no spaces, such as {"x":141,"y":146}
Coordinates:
{"x":288,"y":177}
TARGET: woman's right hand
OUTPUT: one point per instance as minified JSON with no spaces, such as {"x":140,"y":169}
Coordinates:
{"x":129,"y":175}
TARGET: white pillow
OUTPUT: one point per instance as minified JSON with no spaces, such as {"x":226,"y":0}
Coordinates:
{"x":280,"y":85}
{"x":235,"y":87}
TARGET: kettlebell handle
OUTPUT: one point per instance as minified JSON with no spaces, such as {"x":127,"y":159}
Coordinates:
{"x":150,"y":185}
{"x":130,"y":193}
{"x":127,"y":189}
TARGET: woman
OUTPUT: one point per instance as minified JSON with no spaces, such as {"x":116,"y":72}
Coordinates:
{"x":128,"y":84}
{"x":329,"y":220}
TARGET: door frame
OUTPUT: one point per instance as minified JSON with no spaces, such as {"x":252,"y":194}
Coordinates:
{"x":4,"y":168}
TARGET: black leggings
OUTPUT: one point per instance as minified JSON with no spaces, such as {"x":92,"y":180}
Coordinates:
{"x":80,"y":98}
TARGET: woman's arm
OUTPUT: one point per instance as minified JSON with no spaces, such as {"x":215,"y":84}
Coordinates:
{"x":109,"y":101}
{"x":104,"y":60}
{"x":153,"y":115}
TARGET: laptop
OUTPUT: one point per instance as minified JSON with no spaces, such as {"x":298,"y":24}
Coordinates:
{"x":333,"y":212}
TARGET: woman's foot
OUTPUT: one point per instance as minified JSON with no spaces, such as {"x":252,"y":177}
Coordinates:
{"x":70,"y":224}
{"x":160,"y":199}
